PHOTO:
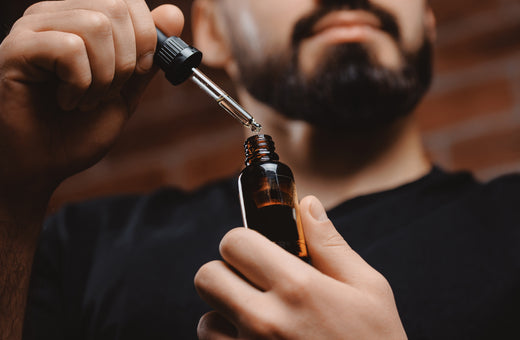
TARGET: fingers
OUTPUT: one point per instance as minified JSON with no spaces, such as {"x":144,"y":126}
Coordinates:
{"x":224,"y":290}
{"x":119,"y":36}
{"x":169,"y":19}
{"x":329,"y":252}
{"x":63,"y":54}
{"x":109,"y":16}
{"x":95,"y":31}
{"x":213,"y":326}
{"x":145,"y":34}
{"x":261,"y":261}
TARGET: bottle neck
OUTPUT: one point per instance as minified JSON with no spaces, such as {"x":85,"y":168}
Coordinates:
{"x":258,"y":149}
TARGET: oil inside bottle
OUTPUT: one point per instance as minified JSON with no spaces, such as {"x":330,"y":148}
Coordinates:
{"x":268,"y":197}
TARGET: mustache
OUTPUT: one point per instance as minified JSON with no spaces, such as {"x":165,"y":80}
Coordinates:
{"x":304,"y":28}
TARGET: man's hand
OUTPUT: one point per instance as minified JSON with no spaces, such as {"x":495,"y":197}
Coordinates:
{"x":263,"y":292}
{"x":71,"y":74}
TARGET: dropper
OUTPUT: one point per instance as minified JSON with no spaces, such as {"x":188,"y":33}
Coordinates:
{"x":179,"y":61}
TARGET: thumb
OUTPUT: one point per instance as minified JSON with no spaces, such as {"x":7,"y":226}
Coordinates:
{"x":170,"y":20}
{"x":329,"y":252}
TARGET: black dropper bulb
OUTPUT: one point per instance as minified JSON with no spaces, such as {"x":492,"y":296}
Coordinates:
{"x":176,"y":58}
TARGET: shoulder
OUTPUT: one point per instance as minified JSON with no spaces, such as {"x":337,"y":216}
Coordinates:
{"x":488,"y":215}
{"x":498,"y":201}
{"x":508,"y":184}
{"x":502,"y":193}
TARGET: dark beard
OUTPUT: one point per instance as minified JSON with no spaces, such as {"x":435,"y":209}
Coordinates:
{"x":349,"y":92}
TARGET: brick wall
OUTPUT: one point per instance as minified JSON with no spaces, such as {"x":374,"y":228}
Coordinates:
{"x":471,"y":118}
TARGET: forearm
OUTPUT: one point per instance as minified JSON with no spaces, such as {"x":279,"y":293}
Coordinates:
{"x":19,"y":231}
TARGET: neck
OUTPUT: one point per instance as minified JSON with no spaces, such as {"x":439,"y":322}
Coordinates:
{"x":335,"y":167}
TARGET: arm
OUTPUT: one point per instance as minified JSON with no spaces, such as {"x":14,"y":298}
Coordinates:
{"x":263,"y":292}
{"x":18,"y":239}
{"x":71,"y":74}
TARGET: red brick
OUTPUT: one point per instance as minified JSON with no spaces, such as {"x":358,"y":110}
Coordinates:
{"x":498,"y":42}
{"x":492,"y":149}
{"x":480,"y":99}
{"x":219,"y":157}
{"x":173,"y":120}
{"x":449,"y":10}
{"x":171,"y":132}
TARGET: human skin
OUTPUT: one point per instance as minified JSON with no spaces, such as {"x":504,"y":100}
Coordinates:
{"x":62,"y":105}
{"x":257,"y":28}
{"x":265,"y":26}
{"x":71,"y":74}
{"x":335,"y":300}
{"x":263,"y":292}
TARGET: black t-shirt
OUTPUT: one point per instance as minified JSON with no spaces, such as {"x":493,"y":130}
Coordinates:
{"x":123,"y":267}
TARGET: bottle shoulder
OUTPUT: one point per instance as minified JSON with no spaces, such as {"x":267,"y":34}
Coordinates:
{"x":264,"y":168}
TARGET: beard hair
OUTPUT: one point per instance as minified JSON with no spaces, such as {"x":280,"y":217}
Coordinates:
{"x":349,"y":92}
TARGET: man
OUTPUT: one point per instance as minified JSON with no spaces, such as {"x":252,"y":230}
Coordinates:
{"x":354,"y":70}
{"x":334,"y":83}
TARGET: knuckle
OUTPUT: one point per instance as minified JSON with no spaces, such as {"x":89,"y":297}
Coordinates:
{"x":102,"y":81}
{"x":385,"y":288}
{"x":83,"y":80}
{"x":73,"y":44}
{"x":295,"y":289}
{"x":380,"y":284}
{"x":37,"y":7}
{"x":97,"y":22}
{"x":121,"y":76}
{"x":18,"y":26}
{"x":116,"y":8}
{"x":126,"y":67}
{"x":267,"y":326}
{"x":147,"y":40}
{"x":335,"y":240}
{"x":23,"y":23}
{"x":77,"y":76}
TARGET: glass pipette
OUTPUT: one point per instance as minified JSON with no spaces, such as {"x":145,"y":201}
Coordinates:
{"x":179,"y":61}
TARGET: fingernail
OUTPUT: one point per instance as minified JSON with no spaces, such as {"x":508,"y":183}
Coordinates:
{"x":317,"y":211}
{"x":145,"y":62}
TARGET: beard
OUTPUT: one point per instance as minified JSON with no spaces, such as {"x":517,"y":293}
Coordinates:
{"x":349,"y":91}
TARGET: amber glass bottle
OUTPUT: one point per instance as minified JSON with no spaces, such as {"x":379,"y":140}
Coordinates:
{"x":268,"y":197}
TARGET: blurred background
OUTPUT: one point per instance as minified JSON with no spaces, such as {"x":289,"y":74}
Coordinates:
{"x":470,"y":119}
